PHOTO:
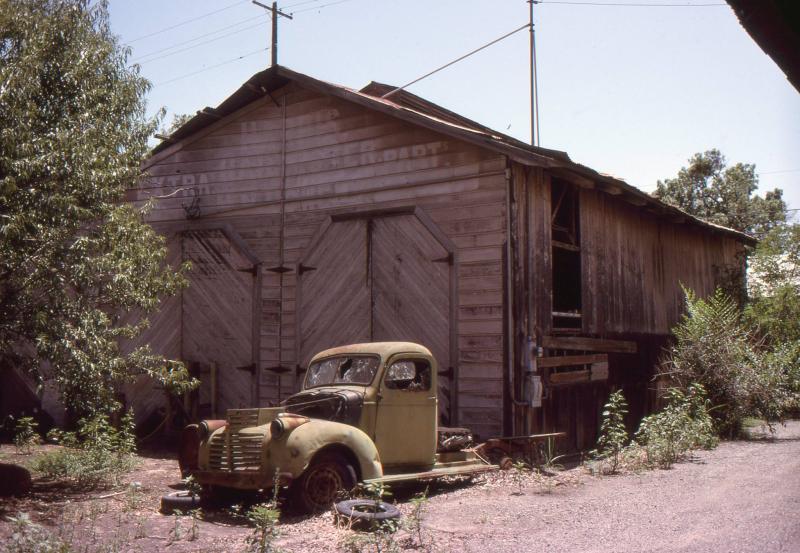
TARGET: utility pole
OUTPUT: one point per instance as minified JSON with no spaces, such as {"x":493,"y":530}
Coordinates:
{"x":535,"y":138}
{"x":275,"y":13}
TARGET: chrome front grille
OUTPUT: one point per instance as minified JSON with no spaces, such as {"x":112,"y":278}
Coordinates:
{"x":234,"y":450}
{"x":242,"y":418}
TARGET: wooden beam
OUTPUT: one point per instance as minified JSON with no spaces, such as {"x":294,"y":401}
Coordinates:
{"x":611,"y":189}
{"x":588,"y":344}
{"x":636,"y":200}
{"x":574,"y":178}
{"x":571,"y":377}
{"x":569,"y":360}
{"x":565,"y":246}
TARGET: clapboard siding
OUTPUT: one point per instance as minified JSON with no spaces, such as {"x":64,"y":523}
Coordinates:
{"x":323,"y":156}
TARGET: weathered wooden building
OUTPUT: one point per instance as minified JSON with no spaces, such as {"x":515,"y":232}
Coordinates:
{"x":316,"y":215}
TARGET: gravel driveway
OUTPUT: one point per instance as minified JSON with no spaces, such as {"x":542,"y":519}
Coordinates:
{"x":744,"y":496}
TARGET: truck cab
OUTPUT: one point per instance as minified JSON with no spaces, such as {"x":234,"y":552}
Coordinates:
{"x":365,"y":412}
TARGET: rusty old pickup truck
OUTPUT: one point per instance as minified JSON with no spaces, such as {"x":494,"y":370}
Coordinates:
{"x":366,"y":412}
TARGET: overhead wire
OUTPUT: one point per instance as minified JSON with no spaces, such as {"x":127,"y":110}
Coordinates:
{"x":320,"y":7}
{"x":445,"y":66}
{"x":187,"y":21}
{"x":147,"y":59}
{"x":632,"y":4}
{"x":170,"y":50}
{"x":226,"y":62}
{"x":776,"y":172}
{"x":300,"y":4}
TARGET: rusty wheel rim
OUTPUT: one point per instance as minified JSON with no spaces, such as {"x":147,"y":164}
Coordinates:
{"x":322,"y":485}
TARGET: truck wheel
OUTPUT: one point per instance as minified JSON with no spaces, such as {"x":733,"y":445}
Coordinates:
{"x":319,"y":486}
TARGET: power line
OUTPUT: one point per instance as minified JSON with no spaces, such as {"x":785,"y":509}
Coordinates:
{"x":445,"y":66}
{"x":198,"y":37}
{"x":776,"y":172}
{"x":632,"y":5}
{"x":146,"y":58}
{"x":320,"y":7}
{"x":226,"y":62}
{"x":187,"y":21}
{"x":237,"y":31}
{"x":301,"y":4}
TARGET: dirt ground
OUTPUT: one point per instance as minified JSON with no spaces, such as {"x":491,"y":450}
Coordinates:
{"x":744,"y":496}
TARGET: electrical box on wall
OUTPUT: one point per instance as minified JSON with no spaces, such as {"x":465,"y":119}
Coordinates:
{"x":533,"y":389}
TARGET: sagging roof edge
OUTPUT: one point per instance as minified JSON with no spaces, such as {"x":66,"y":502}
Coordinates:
{"x":264,"y":82}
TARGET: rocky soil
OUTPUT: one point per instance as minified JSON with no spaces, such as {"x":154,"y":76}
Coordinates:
{"x":742,"y":497}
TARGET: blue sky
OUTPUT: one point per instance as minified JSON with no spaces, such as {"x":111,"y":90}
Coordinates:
{"x":630,"y":91}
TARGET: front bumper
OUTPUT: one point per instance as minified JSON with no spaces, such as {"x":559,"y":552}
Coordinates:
{"x":242,"y":480}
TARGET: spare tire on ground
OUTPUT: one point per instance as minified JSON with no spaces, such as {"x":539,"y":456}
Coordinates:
{"x":179,"y":501}
{"x":14,"y":480}
{"x":364,"y":512}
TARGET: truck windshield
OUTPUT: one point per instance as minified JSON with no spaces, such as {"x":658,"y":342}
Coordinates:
{"x":345,"y":369}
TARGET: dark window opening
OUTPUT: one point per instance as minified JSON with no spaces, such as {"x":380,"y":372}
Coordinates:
{"x":566,"y":256}
{"x":409,"y":375}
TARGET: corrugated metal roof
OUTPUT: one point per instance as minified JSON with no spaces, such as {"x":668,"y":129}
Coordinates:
{"x":416,"y":110}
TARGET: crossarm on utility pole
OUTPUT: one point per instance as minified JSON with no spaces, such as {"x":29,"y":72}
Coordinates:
{"x":275,"y":13}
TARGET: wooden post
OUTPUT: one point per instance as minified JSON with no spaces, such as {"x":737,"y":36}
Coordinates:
{"x":274,"y":34}
{"x":275,"y":13}
{"x":214,"y":389}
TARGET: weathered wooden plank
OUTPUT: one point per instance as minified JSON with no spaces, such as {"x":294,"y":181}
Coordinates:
{"x":569,"y":377}
{"x":570,"y":360}
{"x":589,"y":344}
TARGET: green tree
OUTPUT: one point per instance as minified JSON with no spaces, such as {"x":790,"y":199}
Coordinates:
{"x":712,"y":191}
{"x":74,"y":256}
{"x":178,"y":120}
{"x":774,"y":284}
{"x":716,"y":348}
{"x":774,"y":303}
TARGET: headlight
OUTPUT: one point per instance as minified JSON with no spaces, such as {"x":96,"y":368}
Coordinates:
{"x":276,"y":428}
{"x":208,"y":427}
{"x":286,"y":422}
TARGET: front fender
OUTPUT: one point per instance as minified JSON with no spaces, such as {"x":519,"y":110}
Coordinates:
{"x":293,"y":453}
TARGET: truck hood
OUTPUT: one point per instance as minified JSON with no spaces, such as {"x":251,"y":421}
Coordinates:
{"x":332,"y":403}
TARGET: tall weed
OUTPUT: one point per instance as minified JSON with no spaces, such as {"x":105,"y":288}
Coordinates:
{"x":98,"y":456}
{"x":682,"y":425}
{"x":613,"y":434}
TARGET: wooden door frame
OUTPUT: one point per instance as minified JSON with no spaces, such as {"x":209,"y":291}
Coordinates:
{"x":238,"y":242}
{"x":449,"y":246}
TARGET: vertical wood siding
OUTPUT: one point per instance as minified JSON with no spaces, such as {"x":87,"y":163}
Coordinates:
{"x":633,"y":265}
{"x":341,"y":158}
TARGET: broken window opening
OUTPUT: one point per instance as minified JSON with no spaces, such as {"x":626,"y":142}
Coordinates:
{"x":342,"y":370}
{"x":566,"y":256}
{"x":409,"y":375}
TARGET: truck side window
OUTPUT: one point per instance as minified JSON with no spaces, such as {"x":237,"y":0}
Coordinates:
{"x":409,"y":375}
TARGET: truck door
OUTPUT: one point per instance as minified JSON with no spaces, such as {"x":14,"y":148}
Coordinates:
{"x":405,"y":425}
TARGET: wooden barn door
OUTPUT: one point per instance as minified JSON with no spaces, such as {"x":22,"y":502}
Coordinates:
{"x":379,"y":278}
{"x":217,"y":334}
{"x":334,"y":293}
{"x":411,"y":291}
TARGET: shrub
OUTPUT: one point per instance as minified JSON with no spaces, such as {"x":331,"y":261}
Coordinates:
{"x":25,"y":435}
{"x":716,"y":349}
{"x":682,"y":425}
{"x":29,"y":537}
{"x":97,"y":456}
{"x":613,"y":434}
